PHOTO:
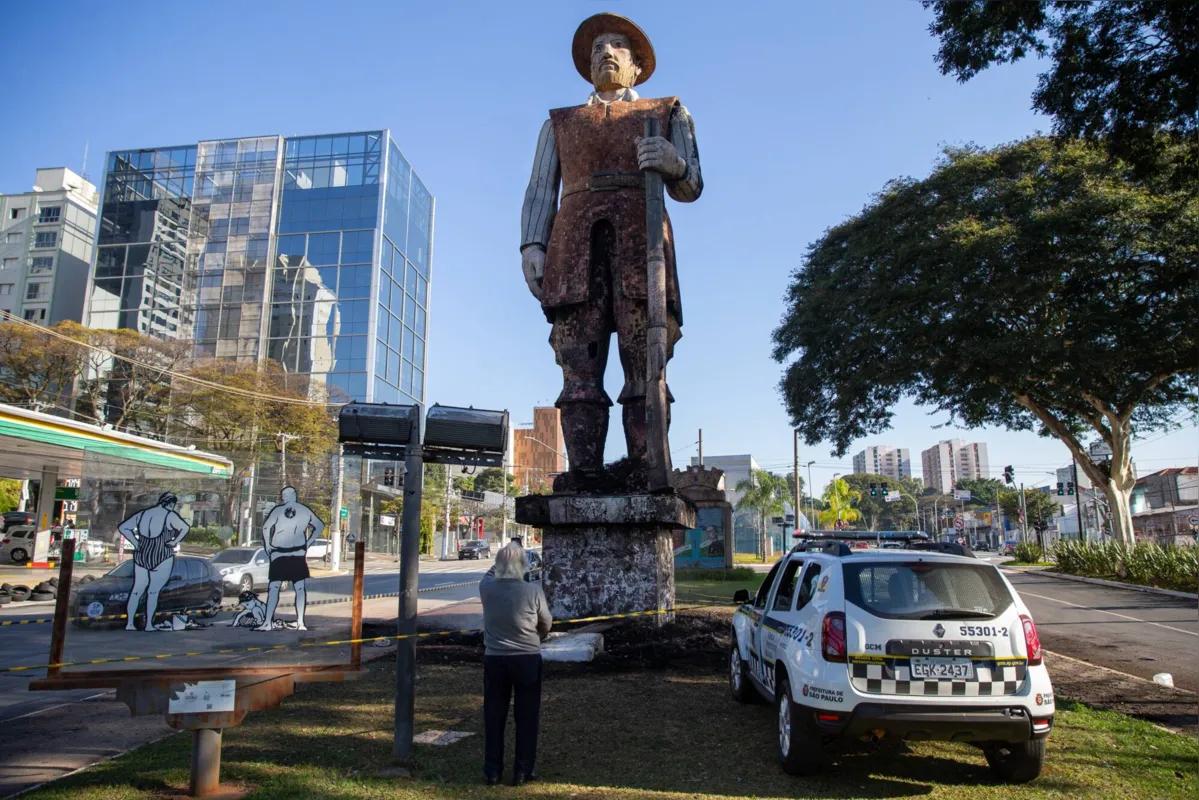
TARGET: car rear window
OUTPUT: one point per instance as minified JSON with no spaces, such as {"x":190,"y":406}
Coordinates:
{"x":237,"y":556}
{"x":926,"y":590}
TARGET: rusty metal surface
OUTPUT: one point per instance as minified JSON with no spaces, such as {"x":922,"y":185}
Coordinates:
{"x":111,"y":679}
{"x":62,"y":603}
{"x":356,"y":619}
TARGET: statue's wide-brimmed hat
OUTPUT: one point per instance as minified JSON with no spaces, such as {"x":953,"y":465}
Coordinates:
{"x":612,"y":23}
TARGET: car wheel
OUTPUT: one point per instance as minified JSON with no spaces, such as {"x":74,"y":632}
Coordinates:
{"x":19,"y":555}
{"x":799,"y":745}
{"x":740,"y":687}
{"x":1017,"y":762}
{"x":247,"y":584}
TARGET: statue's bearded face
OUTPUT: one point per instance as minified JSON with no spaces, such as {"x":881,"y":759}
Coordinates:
{"x":613,"y":63}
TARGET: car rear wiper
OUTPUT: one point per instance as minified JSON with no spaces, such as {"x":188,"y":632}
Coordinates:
{"x":957,"y":613}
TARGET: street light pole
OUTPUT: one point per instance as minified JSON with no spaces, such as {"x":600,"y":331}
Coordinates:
{"x":811,"y":493}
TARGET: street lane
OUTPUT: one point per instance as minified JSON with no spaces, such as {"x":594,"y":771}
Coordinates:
{"x":29,"y":644}
{"x":1135,"y":632}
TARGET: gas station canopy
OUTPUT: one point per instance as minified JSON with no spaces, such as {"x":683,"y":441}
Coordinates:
{"x":31,"y":442}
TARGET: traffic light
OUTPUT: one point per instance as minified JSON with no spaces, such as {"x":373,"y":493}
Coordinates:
{"x":873,"y":490}
{"x":389,"y":477}
{"x":1009,"y":475}
{"x":1061,"y":488}
{"x":1070,"y":487}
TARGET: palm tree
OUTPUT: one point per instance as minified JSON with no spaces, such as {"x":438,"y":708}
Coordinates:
{"x":839,"y":499}
{"x":765,"y":493}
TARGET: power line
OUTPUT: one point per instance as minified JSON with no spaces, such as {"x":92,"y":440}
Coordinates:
{"x":8,"y":316}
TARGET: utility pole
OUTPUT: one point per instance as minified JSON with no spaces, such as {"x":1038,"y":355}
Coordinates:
{"x":405,"y":702}
{"x":445,"y":537}
{"x":504,"y":506}
{"x":812,"y":494}
{"x":1023,"y":515}
{"x":284,"y":438}
{"x":1082,"y":534}
{"x":701,"y":448}
{"x":335,"y":539}
{"x":798,"y":493}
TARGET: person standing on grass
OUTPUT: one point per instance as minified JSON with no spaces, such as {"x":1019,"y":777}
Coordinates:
{"x":516,"y":618}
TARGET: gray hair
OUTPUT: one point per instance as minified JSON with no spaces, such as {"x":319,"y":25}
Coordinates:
{"x":510,"y":562}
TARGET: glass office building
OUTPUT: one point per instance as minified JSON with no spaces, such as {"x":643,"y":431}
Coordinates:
{"x":313,"y":251}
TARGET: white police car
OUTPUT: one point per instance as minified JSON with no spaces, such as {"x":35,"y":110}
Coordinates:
{"x":922,"y":643}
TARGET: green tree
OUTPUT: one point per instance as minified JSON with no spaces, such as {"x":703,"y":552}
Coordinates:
{"x":37,"y":368}
{"x":983,"y":491}
{"x":875,"y":511}
{"x":1118,"y":70}
{"x":764,"y":493}
{"x":1030,"y":286}
{"x":492,"y":480}
{"x":840,"y":501}
{"x":1042,"y":508}
{"x":10,"y":495}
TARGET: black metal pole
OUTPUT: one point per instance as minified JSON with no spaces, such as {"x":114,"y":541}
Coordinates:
{"x":1077,"y":500}
{"x":405,"y":704}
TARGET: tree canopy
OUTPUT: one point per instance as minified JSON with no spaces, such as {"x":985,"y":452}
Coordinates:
{"x":840,"y":504}
{"x":983,"y":491}
{"x":1032,"y":286}
{"x":1121,"y":70}
{"x":491,"y":479}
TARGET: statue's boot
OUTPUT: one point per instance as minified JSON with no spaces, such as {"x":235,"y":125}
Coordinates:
{"x":585,"y":429}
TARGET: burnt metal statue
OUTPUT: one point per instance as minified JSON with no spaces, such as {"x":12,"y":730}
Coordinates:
{"x":584,"y":241}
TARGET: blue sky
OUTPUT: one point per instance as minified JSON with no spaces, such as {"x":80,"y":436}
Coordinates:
{"x":802,"y":111}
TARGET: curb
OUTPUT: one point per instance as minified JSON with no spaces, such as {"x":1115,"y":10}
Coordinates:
{"x":1113,"y":584}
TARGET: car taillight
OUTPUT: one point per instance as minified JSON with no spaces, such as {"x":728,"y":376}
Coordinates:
{"x":832,"y":637}
{"x":1032,"y":642}
{"x":5,"y":541}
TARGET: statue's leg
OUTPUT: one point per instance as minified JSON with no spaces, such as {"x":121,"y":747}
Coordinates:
{"x":631,"y":322}
{"x":580,"y":337}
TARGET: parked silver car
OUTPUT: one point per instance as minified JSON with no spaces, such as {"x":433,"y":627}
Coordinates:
{"x":242,"y":569}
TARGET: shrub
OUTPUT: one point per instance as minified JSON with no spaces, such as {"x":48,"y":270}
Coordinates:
{"x":1145,"y":563}
{"x":203,"y":535}
{"x":734,"y":574}
{"x":1028,"y":552}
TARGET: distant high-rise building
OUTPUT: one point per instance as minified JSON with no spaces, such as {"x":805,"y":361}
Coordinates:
{"x":953,"y":460}
{"x":46,"y":247}
{"x":882,"y":459}
{"x":313,"y":251}
{"x":537,"y":450}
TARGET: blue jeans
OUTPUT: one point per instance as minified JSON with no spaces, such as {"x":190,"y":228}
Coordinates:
{"x":504,"y":676}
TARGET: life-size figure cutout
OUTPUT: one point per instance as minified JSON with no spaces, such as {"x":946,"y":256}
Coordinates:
{"x":287,"y":533}
{"x":154,"y":532}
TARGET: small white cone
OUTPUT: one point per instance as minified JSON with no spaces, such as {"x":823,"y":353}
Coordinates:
{"x":1165,"y":679}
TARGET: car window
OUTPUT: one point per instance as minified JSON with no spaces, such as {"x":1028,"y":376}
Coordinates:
{"x":179,"y":568}
{"x":235,"y":556}
{"x":807,"y":586}
{"x":123,"y":571}
{"x":764,"y":589}
{"x":926,"y":590}
{"x":786,"y":590}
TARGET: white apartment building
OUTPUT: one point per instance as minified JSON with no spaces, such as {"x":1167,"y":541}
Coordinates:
{"x":46,"y":240}
{"x":950,"y":461}
{"x":883,"y":459}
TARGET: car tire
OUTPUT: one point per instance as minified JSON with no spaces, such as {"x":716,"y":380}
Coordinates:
{"x":41,"y":596}
{"x":246,"y":584}
{"x":19,"y":556}
{"x":5,"y":598}
{"x":799,"y":745}
{"x":44,"y":586}
{"x":53,"y":582}
{"x":740,"y":686}
{"x":4,"y":587}
{"x":1017,"y":762}
{"x":19,"y":593}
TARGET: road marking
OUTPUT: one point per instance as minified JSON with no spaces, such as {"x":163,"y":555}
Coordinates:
{"x":1112,"y":613}
{"x":51,"y":708}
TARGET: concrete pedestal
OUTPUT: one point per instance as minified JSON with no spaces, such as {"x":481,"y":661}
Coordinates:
{"x":607,"y":554}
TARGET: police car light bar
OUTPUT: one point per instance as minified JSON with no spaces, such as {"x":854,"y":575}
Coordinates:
{"x":863,"y":536}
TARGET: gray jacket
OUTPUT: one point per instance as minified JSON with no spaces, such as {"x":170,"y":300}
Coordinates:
{"x":515,"y":616}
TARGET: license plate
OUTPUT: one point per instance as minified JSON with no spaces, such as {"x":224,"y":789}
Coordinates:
{"x":942,"y":669}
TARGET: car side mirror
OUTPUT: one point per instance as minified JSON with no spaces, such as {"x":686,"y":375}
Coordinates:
{"x":741,"y":596}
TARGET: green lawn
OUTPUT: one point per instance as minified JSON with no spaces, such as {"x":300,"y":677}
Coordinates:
{"x":666,"y":735}
{"x":714,"y":586}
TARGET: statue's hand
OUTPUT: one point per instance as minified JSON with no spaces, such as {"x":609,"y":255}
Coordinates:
{"x":658,"y":154}
{"x":532,"y":261}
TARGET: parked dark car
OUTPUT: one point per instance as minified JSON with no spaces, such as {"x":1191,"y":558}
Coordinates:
{"x":194,"y":586}
{"x":11,"y":518}
{"x":475,"y":548}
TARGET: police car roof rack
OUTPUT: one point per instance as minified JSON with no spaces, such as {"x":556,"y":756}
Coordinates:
{"x":951,"y":548}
